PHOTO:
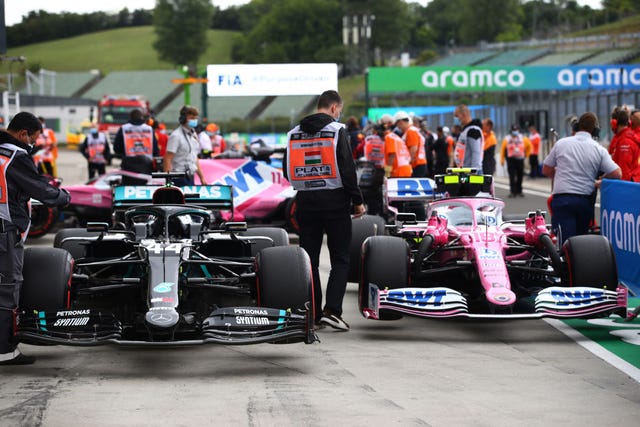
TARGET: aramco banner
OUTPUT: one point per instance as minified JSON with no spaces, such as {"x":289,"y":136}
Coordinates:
{"x":492,"y":79}
{"x":620,"y":223}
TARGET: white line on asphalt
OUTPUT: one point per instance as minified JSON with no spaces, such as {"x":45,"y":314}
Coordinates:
{"x":596,"y":349}
{"x":544,"y":194}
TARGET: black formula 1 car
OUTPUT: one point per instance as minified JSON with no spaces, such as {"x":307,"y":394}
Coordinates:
{"x":174,"y":276}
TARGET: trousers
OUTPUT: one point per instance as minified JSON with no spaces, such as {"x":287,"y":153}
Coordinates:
{"x":571,"y":214}
{"x":337,"y":225}
{"x":11,"y":258}
{"x":515,"y":167}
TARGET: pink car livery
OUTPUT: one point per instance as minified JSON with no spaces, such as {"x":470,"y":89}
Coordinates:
{"x":261,"y":194}
{"x":464,"y":260}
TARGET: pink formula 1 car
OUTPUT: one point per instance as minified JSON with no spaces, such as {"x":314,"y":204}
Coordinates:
{"x":261,"y":195}
{"x":466,"y":261}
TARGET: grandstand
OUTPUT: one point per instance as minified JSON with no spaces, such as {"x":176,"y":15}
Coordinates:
{"x":219,"y":109}
{"x":287,"y":106}
{"x":155,"y":85}
{"x":464,"y":59}
{"x":515,"y":57}
{"x":618,"y":56}
{"x":563,"y":58}
{"x":69,"y":83}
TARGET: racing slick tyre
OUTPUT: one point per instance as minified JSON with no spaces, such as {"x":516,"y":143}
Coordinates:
{"x":75,"y":248}
{"x":285,"y":280}
{"x":278,"y":235}
{"x":43,"y":219}
{"x":590,"y":262}
{"x":385,"y":263}
{"x":291,"y":222}
{"x":361,"y":228}
{"x":47,"y":274}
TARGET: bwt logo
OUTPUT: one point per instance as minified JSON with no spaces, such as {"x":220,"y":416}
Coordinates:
{"x":419,"y":298}
{"x":575,"y":297}
{"x":229,"y":80}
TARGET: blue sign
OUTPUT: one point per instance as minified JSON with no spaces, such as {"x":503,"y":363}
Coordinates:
{"x":620,"y":223}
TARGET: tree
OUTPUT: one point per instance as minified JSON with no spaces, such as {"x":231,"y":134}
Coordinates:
{"x":181,"y":27}
{"x":504,"y":22}
{"x":294,"y":31}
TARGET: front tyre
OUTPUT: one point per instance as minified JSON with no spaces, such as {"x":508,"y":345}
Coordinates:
{"x":590,"y":261}
{"x":284,"y":280}
{"x":362,"y":228}
{"x":47,"y":276}
{"x":385,"y":264}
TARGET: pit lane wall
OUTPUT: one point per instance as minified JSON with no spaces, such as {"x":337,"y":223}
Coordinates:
{"x":620,"y":223}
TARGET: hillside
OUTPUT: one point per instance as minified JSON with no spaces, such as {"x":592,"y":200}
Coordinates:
{"x":119,"y":49}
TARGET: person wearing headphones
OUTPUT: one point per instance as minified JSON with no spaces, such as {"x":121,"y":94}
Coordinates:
{"x":624,"y":147}
{"x":183,"y":148}
{"x":19,"y":182}
{"x":574,"y":163}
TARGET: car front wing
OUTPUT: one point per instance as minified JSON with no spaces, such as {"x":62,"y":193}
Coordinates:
{"x":441,"y":302}
{"x":229,"y":326}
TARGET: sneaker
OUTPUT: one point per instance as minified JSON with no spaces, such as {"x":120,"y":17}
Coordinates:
{"x":511,"y":195}
{"x":520,"y":195}
{"x":16,"y":358}
{"x":334,"y":321}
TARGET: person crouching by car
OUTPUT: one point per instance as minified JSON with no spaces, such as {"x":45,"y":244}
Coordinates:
{"x":183,"y":148}
{"x":19,"y":182}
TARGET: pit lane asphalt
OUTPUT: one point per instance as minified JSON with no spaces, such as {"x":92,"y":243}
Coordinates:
{"x":407,"y":372}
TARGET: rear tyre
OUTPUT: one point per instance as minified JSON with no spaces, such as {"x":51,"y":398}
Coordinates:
{"x":76,"y":248}
{"x":43,"y":219}
{"x":590,"y":261}
{"x":385,"y":263}
{"x":47,"y":274}
{"x":278,"y":235}
{"x":290,"y":208}
{"x":285,"y":280}
{"x":361,"y":228}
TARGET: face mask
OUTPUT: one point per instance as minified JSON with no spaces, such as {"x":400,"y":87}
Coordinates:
{"x":192,"y":123}
{"x":337,"y":119}
{"x":456,"y":121}
{"x":94,"y":132}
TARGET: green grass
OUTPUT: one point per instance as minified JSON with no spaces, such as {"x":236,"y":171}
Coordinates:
{"x":113,"y":50}
{"x":630,"y":24}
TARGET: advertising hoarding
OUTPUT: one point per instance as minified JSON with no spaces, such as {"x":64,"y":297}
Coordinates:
{"x":271,"y":79}
{"x":494,"y":78}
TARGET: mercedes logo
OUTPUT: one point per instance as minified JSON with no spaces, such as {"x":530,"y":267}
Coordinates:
{"x":161,"y":318}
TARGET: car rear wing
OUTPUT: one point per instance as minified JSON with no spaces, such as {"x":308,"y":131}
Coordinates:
{"x":406,"y":189}
{"x":207,"y":196}
{"x":459,"y":182}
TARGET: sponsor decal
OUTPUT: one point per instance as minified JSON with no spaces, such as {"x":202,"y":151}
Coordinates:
{"x":569,"y":297}
{"x":253,"y":311}
{"x":73,"y":321}
{"x":163,"y":288}
{"x":486,"y":253}
{"x":72,"y":313}
{"x":312,"y":171}
{"x":248,"y":320}
{"x":163,"y":299}
{"x":161,"y":318}
{"x":418,"y":298}
{"x":502,"y":297}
